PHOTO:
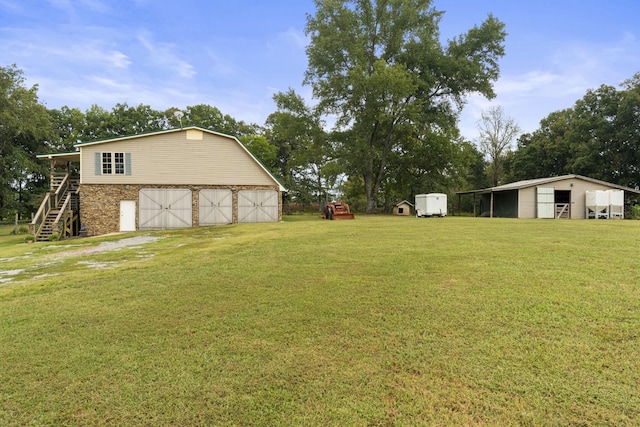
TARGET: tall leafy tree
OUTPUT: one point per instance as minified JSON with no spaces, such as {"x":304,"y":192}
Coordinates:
{"x":497,"y":133}
{"x":69,"y":128}
{"x":544,"y":152}
{"x":380,"y":68}
{"x":605,"y":136}
{"x":305,"y":158}
{"x":24,"y":128}
{"x":262,"y":149}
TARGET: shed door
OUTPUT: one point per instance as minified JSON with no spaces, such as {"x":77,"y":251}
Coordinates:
{"x":546,"y":202}
{"x":165,"y":208}
{"x":215,"y":207}
{"x":257,"y":206}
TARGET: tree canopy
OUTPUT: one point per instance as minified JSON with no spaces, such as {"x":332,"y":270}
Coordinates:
{"x":24,"y":127}
{"x":599,"y":137}
{"x":379,"y":67}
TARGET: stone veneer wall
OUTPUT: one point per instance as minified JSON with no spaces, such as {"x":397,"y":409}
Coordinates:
{"x":100,"y":203}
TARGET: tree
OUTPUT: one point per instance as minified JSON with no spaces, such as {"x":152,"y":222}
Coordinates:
{"x":262,"y":149}
{"x":545,"y":152}
{"x":69,"y":128}
{"x":24,"y":128}
{"x":305,"y":159}
{"x":126,"y":120}
{"x":208,"y":117}
{"x":605,"y":134}
{"x":380,"y":68}
{"x":497,"y":132}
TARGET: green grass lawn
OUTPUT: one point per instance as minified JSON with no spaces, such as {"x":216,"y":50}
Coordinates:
{"x":378,"y":321}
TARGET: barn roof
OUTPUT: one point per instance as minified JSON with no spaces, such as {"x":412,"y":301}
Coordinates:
{"x":75,"y":156}
{"x":542,"y":181}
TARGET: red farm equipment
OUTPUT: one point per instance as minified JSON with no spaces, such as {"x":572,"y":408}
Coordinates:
{"x":337,"y":210}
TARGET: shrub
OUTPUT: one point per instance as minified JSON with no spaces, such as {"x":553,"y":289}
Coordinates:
{"x":635,"y":212}
{"x":54,"y":238}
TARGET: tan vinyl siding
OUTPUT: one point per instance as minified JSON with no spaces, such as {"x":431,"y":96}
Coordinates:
{"x":171,"y":158}
{"x":527,"y":202}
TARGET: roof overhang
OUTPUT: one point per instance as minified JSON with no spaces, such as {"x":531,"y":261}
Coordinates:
{"x":63,"y":157}
{"x":543,"y":181}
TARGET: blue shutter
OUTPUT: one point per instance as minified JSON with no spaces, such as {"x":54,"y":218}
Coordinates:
{"x":127,"y":163}
{"x":98,"y":157}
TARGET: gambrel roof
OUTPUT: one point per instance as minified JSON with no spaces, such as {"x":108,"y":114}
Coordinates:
{"x":75,"y":156}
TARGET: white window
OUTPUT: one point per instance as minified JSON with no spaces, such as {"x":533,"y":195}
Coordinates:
{"x":113,"y":163}
{"x":119,"y":163}
{"x":107,"y":168}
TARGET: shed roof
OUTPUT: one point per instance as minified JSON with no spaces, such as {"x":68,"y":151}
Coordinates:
{"x":542,"y":181}
{"x":73,"y":156}
{"x":403,"y":202}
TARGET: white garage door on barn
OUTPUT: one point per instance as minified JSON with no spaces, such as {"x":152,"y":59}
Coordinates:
{"x":215,"y":207}
{"x":257,"y":206}
{"x":162,"y":208}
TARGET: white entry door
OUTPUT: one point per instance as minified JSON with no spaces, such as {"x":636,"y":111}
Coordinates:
{"x":127,"y":215}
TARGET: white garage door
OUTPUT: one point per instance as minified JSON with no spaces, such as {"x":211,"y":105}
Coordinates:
{"x":215,"y":207}
{"x":257,"y":206}
{"x":162,"y":208}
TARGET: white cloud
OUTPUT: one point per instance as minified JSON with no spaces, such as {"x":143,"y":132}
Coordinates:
{"x":162,"y":54}
{"x":293,"y":37}
{"x":220,"y":66}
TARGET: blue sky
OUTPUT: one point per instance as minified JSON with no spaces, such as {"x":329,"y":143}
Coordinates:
{"x":235,"y":54}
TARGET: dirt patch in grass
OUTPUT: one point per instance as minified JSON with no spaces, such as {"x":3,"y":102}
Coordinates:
{"x":34,"y":271}
{"x":107,"y":246}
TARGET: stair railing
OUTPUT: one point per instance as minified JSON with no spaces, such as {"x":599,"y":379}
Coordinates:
{"x":51,"y":201}
{"x":63,"y":223}
{"x":59,"y":228}
{"x":61,"y":190}
{"x":36,"y":224}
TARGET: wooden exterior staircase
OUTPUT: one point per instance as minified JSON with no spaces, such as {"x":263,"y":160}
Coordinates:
{"x":59,"y":213}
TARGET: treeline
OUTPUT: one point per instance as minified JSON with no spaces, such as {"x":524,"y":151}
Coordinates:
{"x":292,"y":143}
{"x":599,"y":137}
{"x":393,"y":90}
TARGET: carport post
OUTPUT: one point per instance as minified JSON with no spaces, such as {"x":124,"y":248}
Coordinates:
{"x":491,"y":206}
